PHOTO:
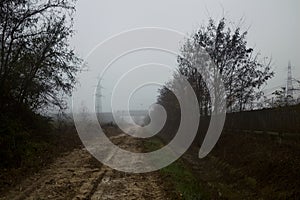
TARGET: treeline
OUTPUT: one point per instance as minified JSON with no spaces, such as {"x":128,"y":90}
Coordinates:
{"x":216,"y":52}
{"x":37,"y":70}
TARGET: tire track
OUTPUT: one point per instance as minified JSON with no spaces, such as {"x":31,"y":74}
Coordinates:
{"x":78,"y":176}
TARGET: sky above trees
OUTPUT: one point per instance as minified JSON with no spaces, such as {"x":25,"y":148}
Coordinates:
{"x":273,"y":26}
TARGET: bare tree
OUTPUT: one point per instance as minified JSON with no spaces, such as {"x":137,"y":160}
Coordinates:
{"x":37,"y":65}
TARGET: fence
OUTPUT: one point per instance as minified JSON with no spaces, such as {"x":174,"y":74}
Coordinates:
{"x":281,"y":120}
{"x":267,"y":121}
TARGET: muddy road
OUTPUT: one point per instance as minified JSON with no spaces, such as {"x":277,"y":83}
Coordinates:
{"x":77,"y":175}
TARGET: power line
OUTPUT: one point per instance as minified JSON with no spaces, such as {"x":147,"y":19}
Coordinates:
{"x":289,"y":83}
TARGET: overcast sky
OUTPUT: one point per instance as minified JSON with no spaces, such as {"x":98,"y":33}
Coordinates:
{"x":274,"y":30}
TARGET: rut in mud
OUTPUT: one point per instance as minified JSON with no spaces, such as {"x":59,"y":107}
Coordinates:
{"x":77,"y":175}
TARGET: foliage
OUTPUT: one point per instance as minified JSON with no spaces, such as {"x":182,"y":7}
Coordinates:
{"x":37,"y":65}
{"x":281,"y":98}
{"x":37,"y":69}
{"x":240,"y":68}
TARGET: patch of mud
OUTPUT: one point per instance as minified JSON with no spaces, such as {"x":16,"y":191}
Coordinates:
{"x":77,"y":175}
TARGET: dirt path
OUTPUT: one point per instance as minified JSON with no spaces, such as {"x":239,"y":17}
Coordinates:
{"x":78,"y":175}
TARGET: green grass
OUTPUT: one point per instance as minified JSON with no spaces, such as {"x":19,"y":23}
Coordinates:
{"x":183,"y":180}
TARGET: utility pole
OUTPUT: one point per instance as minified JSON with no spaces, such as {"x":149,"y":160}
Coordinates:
{"x":99,"y":98}
{"x":289,"y":84}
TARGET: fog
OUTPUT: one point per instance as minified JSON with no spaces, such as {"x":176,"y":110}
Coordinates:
{"x":273,"y":31}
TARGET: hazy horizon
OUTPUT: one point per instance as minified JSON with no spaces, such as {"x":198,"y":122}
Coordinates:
{"x":272,"y":30}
